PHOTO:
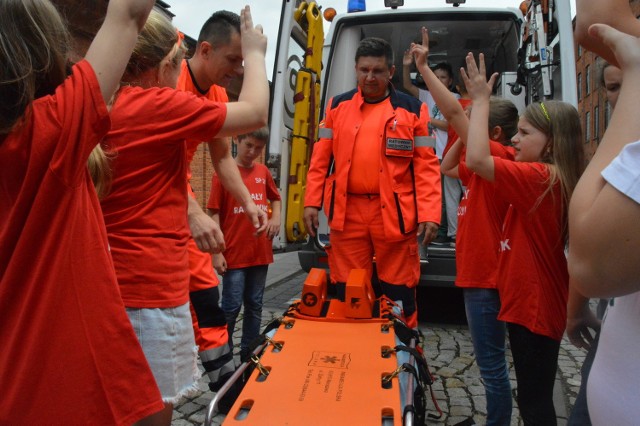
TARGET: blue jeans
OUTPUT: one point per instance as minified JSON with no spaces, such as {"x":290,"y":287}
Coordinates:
{"x":488,"y":335}
{"x":244,"y":285}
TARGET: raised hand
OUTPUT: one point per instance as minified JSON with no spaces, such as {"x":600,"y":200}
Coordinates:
{"x":475,"y":78}
{"x":420,"y":52}
{"x":253,"y":40}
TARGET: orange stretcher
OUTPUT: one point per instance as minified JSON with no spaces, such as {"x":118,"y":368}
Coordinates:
{"x":333,"y":362}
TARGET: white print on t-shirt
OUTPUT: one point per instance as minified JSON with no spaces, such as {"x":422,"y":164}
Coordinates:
{"x":465,"y":194}
{"x":462,"y":210}
{"x":239,"y":209}
{"x":504,"y":245}
{"x":261,"y":180}
{"x":257,"y":197}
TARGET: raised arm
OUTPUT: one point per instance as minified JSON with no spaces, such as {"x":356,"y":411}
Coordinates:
{"x":603,"y":222}
{"x":412,"y":89}
{"x":451,"y":160}
{"x":446,"y":101}
{"x":112,"y":46}
{"x":479,"y":157}
{"x":251,"y":110}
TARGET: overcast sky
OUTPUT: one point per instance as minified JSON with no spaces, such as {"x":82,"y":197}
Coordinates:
{"x":191,"y":14}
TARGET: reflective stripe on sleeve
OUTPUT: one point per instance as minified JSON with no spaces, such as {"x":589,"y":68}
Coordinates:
{"x":425,"y":141}
{"x":325,"y":133}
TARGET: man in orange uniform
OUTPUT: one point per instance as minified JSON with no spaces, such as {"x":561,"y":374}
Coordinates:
{"x":383,"y":187}
{"x":217,"y":59}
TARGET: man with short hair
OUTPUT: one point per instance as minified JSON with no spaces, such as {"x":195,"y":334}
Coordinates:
{"x":384,"y":185}
{"x":217,"y":60}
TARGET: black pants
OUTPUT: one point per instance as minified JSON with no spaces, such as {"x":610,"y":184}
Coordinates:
{"x":535,"y":358}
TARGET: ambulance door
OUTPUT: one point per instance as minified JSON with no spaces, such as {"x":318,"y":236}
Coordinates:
{"x":294,"y":111}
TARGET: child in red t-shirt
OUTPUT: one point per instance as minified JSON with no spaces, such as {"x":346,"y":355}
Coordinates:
{"x":69,"y":354}
{"x":480,"y":218}
{"x":532,"y":270}
{"x":146,"y":208}
{"x":246,"y":259}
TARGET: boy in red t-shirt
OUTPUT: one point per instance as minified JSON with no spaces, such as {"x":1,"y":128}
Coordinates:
{"x":247,"y":256}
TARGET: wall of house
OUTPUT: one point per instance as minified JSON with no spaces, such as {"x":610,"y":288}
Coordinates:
{"x":592,"y":101}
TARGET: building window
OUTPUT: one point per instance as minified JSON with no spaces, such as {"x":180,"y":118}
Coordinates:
{"x":587,"y":77}
{"x":607,"y":114}
{"x":579,"y":86}
{"x":587,"y":126}
{"x":596,"y":122}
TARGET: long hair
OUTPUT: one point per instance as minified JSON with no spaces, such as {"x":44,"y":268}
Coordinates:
{"x":564,"y":152}
{"x":158,"y":40}
{"x":34,"y":43}
{"x":99,"y":164}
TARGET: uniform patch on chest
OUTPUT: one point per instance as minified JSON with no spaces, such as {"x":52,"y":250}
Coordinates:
{"x":399,"y":144}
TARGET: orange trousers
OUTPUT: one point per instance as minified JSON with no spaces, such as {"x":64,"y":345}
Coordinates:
{"x":397,"y":262}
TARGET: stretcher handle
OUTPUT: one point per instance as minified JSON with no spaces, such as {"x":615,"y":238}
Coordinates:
{"x":408,"y":417}
{"x":212,"y":409}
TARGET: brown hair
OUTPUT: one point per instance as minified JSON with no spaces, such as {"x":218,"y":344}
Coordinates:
{"x":560,"y":122}
{"x":503,"y":113}
{"x":262,"y":134}
{"x":218,"y":29}
{"x":33,"y":56}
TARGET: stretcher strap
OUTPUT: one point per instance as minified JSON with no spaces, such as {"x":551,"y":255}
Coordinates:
{"x":423,"y":376}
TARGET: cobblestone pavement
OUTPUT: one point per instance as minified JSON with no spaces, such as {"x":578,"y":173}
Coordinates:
{"x":457,"y":388}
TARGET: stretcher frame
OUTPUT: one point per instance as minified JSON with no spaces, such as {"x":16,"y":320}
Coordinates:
{"x":318,"y":361}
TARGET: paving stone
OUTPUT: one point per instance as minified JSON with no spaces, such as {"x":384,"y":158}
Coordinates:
{"x":480,"y":404}
{"x":476,"y":390}
{"x":460,"y":410}
{"x":189,"y":408}
{"x":454,"y":383}
{"x":457,"y":393}
{"x":447,"y":372}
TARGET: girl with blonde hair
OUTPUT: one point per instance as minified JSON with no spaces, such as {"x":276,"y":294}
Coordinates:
{"x":532,"y":270}
{"x":146,"y":208}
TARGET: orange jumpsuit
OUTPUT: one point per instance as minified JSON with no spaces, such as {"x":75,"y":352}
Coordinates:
{"x":376,"y":213}
{"x":209,"y":324}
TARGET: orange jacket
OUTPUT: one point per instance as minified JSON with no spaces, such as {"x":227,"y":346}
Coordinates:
{"x":410,"y":174}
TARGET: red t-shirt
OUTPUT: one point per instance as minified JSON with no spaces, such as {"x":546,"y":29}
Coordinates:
{"x":480,"y":218}
{"x":146,"y":210}
{"x":243,"y":248}
{"x":69,"y":354}
{"x":201,"y":270}
{"x":532,"y":271}
{"x":215,"y":94}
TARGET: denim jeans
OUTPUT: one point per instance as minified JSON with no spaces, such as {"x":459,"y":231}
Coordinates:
{"x":244,"y":285}
{"x":488,"y":335}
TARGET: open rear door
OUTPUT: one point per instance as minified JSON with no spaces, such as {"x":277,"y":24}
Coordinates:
{"x":294,"y":109}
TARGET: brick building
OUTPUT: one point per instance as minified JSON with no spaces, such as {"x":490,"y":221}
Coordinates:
{"x":593,"y":107}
